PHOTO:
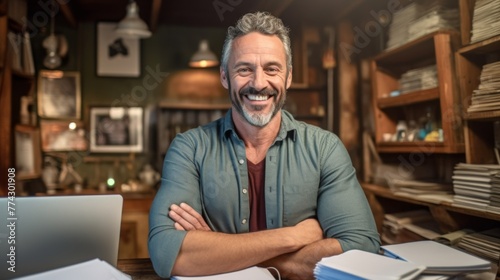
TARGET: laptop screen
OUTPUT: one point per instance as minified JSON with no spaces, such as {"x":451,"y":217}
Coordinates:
{"x":42,"y":233}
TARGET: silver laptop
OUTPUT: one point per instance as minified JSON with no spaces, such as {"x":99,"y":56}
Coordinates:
{"x":42,"y":233}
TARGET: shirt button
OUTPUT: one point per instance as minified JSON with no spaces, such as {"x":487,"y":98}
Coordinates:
{"x":241,"y":161}
{"x":244,"y":191}
{"x":244,"y":221}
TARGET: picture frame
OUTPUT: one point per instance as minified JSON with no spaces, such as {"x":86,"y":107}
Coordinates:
{"x":116,"y":129}
{"x":28,"y":154}
{"x":116,"y":56}
{"x":59,"y":94}
{"x":60,"y":136}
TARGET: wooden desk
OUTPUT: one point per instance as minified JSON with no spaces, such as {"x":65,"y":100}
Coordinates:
{"x":139,"y":269}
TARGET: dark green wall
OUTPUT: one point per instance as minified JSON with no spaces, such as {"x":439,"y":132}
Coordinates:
{"x":167,"y":50}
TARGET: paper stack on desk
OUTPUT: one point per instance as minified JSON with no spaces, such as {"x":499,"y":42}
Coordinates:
{"x":95,"y":269}
{"x":357,"y":265}
{"x":438,"y":258}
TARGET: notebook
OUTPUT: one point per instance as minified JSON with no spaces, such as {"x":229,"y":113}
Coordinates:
{"x":42,"y":233}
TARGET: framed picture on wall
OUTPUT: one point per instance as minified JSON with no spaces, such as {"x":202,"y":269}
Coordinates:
{"x":60,"y":135}
{"x":116,"y":129}
{"x":59,"y":94}
{"x":28,"y":153}
{"x":116,"y":56}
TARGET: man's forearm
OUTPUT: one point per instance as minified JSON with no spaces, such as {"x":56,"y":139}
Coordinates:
{"x":300,"y":264}
{"x":205,"y":252}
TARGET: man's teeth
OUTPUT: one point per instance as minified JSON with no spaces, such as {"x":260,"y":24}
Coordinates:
{"x":256,"y":97}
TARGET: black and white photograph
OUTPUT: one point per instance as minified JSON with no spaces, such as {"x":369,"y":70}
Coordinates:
{"x":117,"y":56}
{"x":59,"y":94}
{"x":116,"y":129}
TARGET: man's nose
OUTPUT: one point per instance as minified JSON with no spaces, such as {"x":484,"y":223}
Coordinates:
{"x":259,"y":81}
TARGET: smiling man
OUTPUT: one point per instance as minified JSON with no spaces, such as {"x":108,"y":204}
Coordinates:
{"x":257,"y":187}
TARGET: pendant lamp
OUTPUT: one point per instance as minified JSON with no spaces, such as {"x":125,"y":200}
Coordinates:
{"x":132,"y":26}
{"x":204,"y":57}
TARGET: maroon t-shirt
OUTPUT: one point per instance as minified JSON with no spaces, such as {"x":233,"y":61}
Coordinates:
{"x":256,"y":176}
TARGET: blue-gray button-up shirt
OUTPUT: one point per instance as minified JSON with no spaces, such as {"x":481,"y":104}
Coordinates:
{"x":308,"y":175}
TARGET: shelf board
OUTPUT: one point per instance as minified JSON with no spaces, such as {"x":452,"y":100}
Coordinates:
{"x":422,"y":47}
{"x":482,"y":47}
{"x":409,"y":98}
{"x":419,"y":147}
{"x":486,"y":116}
{"x":387,"y":193}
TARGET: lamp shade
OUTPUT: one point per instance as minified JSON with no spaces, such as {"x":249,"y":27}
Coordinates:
{"x":132,"y":26}
{"x":203,"y":57}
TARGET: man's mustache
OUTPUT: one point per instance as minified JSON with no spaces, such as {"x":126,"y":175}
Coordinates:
{"x":251,"y":90}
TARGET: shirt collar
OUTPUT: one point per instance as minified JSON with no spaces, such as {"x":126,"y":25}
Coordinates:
{"x":288,"y":127}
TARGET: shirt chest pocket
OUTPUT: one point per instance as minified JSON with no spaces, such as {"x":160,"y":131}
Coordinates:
{"x":299,"y":201}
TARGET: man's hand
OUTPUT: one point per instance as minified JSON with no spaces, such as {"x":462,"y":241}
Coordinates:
{"x":186,"y":218}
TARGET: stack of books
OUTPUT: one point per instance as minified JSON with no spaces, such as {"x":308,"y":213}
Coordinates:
{"x":487,"y":96}
{"x":477,"y":186}
{"x":421,"y":18}
{"x":485,"y":244}
{"x":486,"y":20}
{"x":419,"y":79}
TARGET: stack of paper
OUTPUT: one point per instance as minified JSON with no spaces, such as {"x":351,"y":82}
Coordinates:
{"x":477,"y":186}
{"x":94,"y":269}
{"x":486,"y":20}
{"x":250,"y":273}
{"x":420,"y":18}
{"x":419,"y":79}
{"x":419,"y":222}
{"x":356,"y":264}
{"x":485,"y":244}
{"x":422,"y":190}
{"x":437,"y":258}
{"x":487,"y":96}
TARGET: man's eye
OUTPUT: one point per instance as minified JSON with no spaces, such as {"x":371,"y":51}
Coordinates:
{"x":244,"y":71}
{"x":272,"y":70}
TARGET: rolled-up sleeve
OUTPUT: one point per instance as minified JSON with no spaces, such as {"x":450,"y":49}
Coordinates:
{"x":179,"y":183}
{"x":343,"y":209}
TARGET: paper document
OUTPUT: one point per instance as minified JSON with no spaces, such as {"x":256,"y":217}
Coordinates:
{"x":438,"y":258}
{"x":357,"y":264}
{"x":250,"y":273}
{"x":94,"y":269}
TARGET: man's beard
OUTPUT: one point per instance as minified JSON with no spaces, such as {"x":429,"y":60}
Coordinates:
{"x":256,"y":118}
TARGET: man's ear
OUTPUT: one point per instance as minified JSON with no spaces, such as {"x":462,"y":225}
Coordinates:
{"x":289,"y":79}
{"x":223,"y":78}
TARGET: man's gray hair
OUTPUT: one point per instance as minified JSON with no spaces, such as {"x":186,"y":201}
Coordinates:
{"x":262,"y":22}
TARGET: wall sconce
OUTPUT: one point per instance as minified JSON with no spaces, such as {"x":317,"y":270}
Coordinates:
{"x":132,"y":26}
{"x":204,"y":57}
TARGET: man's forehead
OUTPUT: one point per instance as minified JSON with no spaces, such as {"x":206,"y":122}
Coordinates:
{"x":256,"y":43}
